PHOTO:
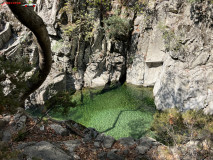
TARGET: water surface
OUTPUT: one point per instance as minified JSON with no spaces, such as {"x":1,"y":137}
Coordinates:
{"x":121,"y":112}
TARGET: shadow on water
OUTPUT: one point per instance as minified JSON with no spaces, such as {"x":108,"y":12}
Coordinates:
{"x":138,"y":128}
{"x":117,"y":118}
{"x":114,"y":110}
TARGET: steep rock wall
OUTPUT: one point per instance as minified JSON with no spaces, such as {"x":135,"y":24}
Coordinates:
{"x":173,"y":46}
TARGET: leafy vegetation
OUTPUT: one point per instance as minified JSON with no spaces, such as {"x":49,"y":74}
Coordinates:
{"x":61,"y":102}
{"x":172,"y":41}
{"x":82,"y":25}
{"x":117,"y":27}
{"x":175,"y":128}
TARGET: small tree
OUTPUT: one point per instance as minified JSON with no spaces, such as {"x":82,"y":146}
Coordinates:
{"x":61,"y":102}
{"x":117,"y":27}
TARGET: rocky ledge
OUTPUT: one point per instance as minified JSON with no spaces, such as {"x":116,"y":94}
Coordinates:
{"x":53,"y":141}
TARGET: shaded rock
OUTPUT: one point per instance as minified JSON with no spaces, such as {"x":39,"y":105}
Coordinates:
{"x":100,"y":137}
{"x":142,"y":149}
{"x":6,"y":136}
{"x":102,"y":155}
{"x":126,"y":152}
{"x":59,"y":129}
{"x":90,"y":133}
{"x":127,"y":141}
{"x":5,"y":35}
{"x":108,"y":141}
{"x":3,"y":123}
{"x":72,"y":144}
{"x":20,"y":121}
{"x":54,"y":83}
{"x":147,"y":141}
{"x":44,"y":150}
{"x":113,"y":156}
{"x":75,"y":156}
{"x":97,"y":144}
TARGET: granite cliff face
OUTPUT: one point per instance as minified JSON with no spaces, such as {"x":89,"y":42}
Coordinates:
{"x":169,"y":47}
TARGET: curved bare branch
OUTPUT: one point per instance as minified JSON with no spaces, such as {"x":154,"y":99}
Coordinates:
{"x":31,"y":20}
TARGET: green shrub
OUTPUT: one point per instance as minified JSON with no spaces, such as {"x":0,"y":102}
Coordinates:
{"x":168,"y":126}
{"x":61,"y":102}
{"x":117,"y":27}
{"x":173,"y":127}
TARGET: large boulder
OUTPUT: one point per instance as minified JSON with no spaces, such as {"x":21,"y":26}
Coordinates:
{"x":172,"y":50}
{"x":44,"y":150}
{"x":186,"y":78}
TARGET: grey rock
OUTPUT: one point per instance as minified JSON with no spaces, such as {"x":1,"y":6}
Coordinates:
{"x":126,"y":152}
{"x":75,"y":156}
{"x":97,"y":144}
{"x":135,"y":73}
{"x":44,"y":150}
{"x":127,"y":141}
{"x":108,"y":141}
{"x":3,"y":123}
{"x":100,"y":137}
{"x":147,"y":141}
{"x":20,"y":122}
{"x":6,"y":136}
{"x":7,"y":118}
{"x":103,"y":69}
{"x":113,"y":156}
{"x":5,"y":35}
{"x":54,"y":83}
{"x":91,"y":133}
{"x":59,"y":129}
{"x":72,"y":144}
{"x":142,"y":149}
{"x":102,"y":155}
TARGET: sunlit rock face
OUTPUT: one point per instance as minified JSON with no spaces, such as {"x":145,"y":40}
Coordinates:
{"x":172,"y":51}
{"x":186,"y":79}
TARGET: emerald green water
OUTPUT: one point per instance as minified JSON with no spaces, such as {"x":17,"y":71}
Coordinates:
{"x":122,"y":112}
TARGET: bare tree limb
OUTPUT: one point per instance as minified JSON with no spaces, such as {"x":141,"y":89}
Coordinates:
{"x":32,"y":21}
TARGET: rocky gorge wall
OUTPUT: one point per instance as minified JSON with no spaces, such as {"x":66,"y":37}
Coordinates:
{"x":169,"y":48}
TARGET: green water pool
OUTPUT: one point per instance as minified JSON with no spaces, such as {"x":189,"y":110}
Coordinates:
{"x":122,"y":112}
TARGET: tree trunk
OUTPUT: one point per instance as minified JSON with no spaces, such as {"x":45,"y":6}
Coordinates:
{"x":31,"y":20}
